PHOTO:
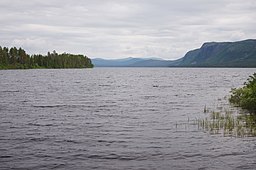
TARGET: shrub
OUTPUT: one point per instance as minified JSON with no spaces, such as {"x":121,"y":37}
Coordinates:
{"x":245,"y":97}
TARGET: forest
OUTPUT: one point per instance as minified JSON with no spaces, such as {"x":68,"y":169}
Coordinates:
{"x":17,"y":58}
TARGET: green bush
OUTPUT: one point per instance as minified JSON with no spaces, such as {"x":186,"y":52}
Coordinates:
{"x":245,"y":97}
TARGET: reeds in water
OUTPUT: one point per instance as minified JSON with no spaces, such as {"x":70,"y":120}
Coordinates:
{"x":229,"y":124}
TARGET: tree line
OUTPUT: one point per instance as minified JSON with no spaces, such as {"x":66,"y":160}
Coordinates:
{"x":17,"y":58}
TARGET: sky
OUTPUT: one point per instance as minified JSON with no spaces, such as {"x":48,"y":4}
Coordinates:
{"x":124,"y":28}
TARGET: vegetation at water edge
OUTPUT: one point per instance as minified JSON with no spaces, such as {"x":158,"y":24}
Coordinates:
{"x":245,"y":96}
{"x":14,"y":58}
{"x":228,"y":123}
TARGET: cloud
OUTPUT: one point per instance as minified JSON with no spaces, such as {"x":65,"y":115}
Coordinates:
{"x":122,"y":28}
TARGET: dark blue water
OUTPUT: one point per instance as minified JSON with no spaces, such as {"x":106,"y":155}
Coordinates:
{"x":117,"y":118}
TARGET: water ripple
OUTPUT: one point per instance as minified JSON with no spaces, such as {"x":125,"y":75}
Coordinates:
{"x":113,"y":118}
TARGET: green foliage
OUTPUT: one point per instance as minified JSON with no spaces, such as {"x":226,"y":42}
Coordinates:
{"x":14,"y":58}
{"x":229,"y":124}
{"x":245,"y":97}
{"x":222,"y":54}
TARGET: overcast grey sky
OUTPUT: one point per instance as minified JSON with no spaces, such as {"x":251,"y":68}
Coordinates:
{"x":124,"y":28}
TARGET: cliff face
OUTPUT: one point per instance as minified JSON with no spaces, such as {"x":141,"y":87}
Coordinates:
{"x":222,"y":54}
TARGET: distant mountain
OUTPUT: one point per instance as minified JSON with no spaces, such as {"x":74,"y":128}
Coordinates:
{"x":211,"y":54}
{"x":131,"y":62}
{"x":222,"y":54}
{"x":152,"y":63}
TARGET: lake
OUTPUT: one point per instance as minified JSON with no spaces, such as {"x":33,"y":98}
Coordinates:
{"x":117,"y":118}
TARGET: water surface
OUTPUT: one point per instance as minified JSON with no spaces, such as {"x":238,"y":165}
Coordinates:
{"x":117,"y":118}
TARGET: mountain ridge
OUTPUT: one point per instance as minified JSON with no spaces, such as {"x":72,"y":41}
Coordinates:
{"x":130,"y":62}
{"x":210,"y":54}
{"x":222,"y":54}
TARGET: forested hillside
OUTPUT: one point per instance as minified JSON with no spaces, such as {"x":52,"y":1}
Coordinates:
{"x":14,"y":58}
{"x":222,"y":54}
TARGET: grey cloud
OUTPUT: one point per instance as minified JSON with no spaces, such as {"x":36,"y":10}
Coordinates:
{"x":124,"y":28}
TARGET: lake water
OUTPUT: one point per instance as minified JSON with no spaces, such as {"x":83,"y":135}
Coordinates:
{"x":117,"y":118}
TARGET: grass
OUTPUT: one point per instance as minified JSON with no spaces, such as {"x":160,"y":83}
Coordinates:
{"x":228,"y":123}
